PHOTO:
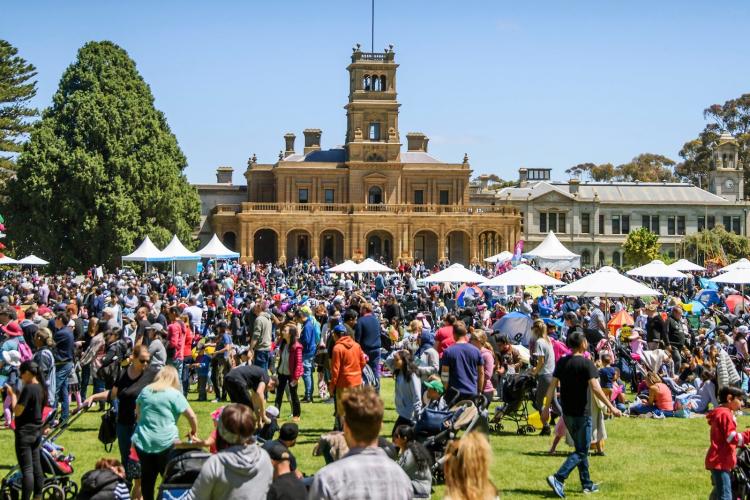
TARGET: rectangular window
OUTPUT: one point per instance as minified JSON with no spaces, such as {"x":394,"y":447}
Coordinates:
{"x":419,"y":197}
{"x":626,"y":224}
{"x":601,"y":223}
{"x":727,"y":222}
{"x":681,"y":225}
{"x":711,"y":222}
{"x":732,"y":224}
{"x":374,"y":133}
{"x":328,"y":195}
{"x":736,"y":225}
{"x":671,"y":225}
{"x":615,"y":224}
{"x":646,"y":221}
{"x":701,"y":223}
{"x":561,"y":223}
{"x":650,"y":222}
{"x":444,"y":197}
{"x":552,"y":222}
{"x":542,"y":222}
{"x":586,"y":223}
{"x":303,"y":196}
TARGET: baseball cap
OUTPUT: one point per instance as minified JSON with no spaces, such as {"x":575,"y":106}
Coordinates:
{"x":339,"y":329}
{"x":435,"y":385}
{"x":157,"y":327}
{"x":278,"y":452}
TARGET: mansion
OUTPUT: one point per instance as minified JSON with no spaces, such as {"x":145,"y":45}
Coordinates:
{"x":372,"y":198}
{"x":367,"y":198}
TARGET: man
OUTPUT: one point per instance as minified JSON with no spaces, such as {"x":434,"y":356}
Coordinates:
{"x":247,"y":385}
{"x":347,"y":362}
{"x":196,"y":315}
{"x":220,"y":361}
{"x":156,"y":347}
{"x":367,"y":335}
{"x":597,"y":321}
{"x":655,"y":328}
{"x":309,"y":348}
{"x":261,"y":342}
{"x":676,"y":335}
{"x":287,"y":438}
{"x":286,"y":484}
{"x":576,"y":375}
{"x":545,"y":304}
{"x":64,"y":356}
{"x":365,"y":471}
{"x":176,"y":334}
{"x":462,"y":367}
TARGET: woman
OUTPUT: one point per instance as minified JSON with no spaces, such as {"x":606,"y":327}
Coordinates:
{"x":414,"y":458}
{"x":28,"y":411}
{"x":659,"y":398}
{"x":479,"y":340}
{"x":158,"y":408}
{"x":467,"y":469}
{"x":125,"y":392}
{"x":45,"y":359}
{"x":544,"y":353}
{"x":240,"y":470}
{"x":289,"y":369}
{"x":91,"y":360}
{"x":408,"y":392}
{"x":427,"y":358}
{"x":740,"y":343}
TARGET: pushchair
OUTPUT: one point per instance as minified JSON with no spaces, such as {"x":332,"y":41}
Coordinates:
{"x":57,"y":468}
{"x":181,"y":472}
{"x":436,"y":429}
{"x":741,"y":475}
{"x":518,"y":392}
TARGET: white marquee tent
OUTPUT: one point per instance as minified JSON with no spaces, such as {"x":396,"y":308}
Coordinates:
{"x":146,"y":252}
{"x":33,"y":260}
{"x":215,"y":249}
{"x":348,"y":266}
{"x":6,"y":261}
{"x":455,"y":274}
{"x":552,"y":254}
{"x":607,"y":282}
{"x":370,"y":266}
{"x":177,"y":251}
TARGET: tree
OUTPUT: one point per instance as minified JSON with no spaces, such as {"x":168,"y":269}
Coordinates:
{"x":17,"y":88}
{"x":734,"y":117}
{"x":641,"y":247}
{"x":102,"y":169}
{"x":647,"y":167}
{"x":717,"y":245}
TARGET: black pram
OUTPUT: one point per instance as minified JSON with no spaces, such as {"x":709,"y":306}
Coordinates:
{"x":518,"y":392}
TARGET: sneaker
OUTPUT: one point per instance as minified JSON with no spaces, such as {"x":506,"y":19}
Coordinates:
{"x":594,"y":488}
{"x":556,"y":486}
{"x":545,"y":431}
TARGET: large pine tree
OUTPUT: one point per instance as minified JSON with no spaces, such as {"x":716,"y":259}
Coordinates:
{"x":102,"y":168}
{"x":17,"y":88}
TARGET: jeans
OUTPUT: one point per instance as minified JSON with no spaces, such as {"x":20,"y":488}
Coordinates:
{"x":643,"y":408}
{"x":722,"y":481}
{"x":307,"y":369}
{"x":186,"y":376}
{"x":86,"y":377}
{"x":580,"y":431}
{"x":177,"y":363}
{"x":261,"y":359}
{"x":293,"y":397}
{"x":31,"y":468}
{"x":152,"y":465}
{"x":374,"y":363}
{"x":61,"y":381}
{"x":124,"y":440}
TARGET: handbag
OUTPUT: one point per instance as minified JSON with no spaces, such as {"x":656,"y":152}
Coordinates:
{"x":431,"y":421}
{"x":108,"y":429}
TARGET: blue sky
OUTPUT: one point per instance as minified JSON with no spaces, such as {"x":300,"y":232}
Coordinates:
{"x":544,"y":83}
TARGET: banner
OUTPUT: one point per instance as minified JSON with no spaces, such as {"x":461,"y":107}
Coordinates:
{"x":517,"y":251}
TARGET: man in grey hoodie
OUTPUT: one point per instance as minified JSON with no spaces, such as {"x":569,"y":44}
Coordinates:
{"x":241,"y":470}
{"x":261,"y":343}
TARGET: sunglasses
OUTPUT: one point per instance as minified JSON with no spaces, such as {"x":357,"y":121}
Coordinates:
{"x":144,"y":361}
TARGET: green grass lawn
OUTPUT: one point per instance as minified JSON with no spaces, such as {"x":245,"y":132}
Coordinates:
{"x":648,"y":459}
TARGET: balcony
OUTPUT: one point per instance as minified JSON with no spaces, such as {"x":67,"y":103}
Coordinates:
{"x":363,"y":208}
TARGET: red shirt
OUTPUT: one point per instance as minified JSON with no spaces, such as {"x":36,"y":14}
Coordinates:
{"x":444,"y":335}
{"x":187,"y":351}
{"x":724,"y":440}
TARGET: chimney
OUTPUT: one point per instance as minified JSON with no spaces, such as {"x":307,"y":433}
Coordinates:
{"x":417,"y":141}
{"x":224,"y":175}
{"x":523,"y":177}
{"x":573,"y":185}
{"x":312,"y":139}
{"x":289,"y":140}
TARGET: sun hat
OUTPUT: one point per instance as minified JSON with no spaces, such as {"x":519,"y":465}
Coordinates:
{"x":13,"y":358}
{"x":435,"y":385}
{"x":12,"y":329}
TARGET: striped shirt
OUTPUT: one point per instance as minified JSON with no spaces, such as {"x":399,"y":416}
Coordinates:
{"x":362,"y":474}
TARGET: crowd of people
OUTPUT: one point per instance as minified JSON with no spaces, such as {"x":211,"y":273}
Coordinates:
{"x":248,"y":336}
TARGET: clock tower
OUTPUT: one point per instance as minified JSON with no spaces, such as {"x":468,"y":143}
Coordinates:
{"x":727,"y":176}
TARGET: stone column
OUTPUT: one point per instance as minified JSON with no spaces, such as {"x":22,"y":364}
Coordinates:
{"x":473,"y":247}
{"x":441,"y":244}
{"x":246,"y":244}
{"x":315,"y":243}
{"x":281,"y":244}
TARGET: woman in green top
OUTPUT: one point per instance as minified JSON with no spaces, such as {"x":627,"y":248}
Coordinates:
{"x":158,"y":408}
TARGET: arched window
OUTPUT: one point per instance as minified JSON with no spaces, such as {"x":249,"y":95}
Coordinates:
{"x":367,"y":83}
{"x":601,"y":258}
{"x":375,"y":195}
{"x":585,"y":258}
{"x":382,"y":83}
{"x":616,"y":259}
{"x":376,"y":84}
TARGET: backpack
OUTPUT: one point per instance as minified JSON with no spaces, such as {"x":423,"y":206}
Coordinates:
{"x":24,"y":350}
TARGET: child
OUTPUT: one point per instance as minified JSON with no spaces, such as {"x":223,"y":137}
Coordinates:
{"x":10,"y":362}
{"x":721,"y":457}
{"x":636,"y":344}
{"x":74,"y":389}
{"x":202,"y":366}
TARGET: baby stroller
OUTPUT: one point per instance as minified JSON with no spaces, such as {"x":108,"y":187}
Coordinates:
{"x":518,"y":392}
{"x":181,"y":473}
{"x":741,"y":475}
{"x":436,"y":429}
{"x":56,"y":466}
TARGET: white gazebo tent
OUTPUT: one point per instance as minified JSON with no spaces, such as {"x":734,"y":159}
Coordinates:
{"x":348,"y":266}
{"x":7,"y":261}
{"x":455,"y":274}
{"x":176,"y":252}
{"x":146,"y":252}
{"x":552,"y":254}
{"x":685,"y":265}
{"x":33,"y":260}
{"x":215,"y":249}
{"x":607,"y":282}
{"x":742,"y":263}
{"x":501,"y":257}
{"x":523,"y":275}
{"x":370,"y":266}
{"x":656,"y":269}
{"x":740,"y":275}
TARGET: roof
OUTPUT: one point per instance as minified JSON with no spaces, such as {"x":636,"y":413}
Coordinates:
{"x":620,"y":192}
{"x":333,"y":155}
{"x":417,"y":157}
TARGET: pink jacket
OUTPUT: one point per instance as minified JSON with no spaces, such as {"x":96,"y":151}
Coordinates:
{"x":295,"y":361}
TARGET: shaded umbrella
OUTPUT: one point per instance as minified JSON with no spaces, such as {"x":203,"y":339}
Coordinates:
{"x":523,"y":275}
{"x":607,"y":282}
{"x":686,"y":266}
{"x":656,"y":269}
{"x":455,"y":274}
{"x":348,"y":266}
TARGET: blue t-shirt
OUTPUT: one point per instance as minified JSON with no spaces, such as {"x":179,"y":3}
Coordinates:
{"x":463,"y":361}
{"x":205,"y":364}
